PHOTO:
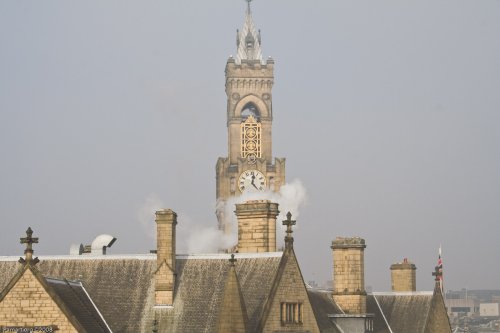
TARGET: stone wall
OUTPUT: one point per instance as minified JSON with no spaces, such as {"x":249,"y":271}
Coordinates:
{"x":403,"y":276}
{"x":249,"y":82}
{"x":349,"y":274}
{"x":28,"y":305}
{"x":291,"y":289}
{"x":257,"y":226}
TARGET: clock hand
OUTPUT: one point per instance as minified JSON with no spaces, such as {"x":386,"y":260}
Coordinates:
{"x":253,"y":184}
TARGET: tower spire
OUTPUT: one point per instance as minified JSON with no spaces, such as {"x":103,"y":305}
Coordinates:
{"x":248,"y":39}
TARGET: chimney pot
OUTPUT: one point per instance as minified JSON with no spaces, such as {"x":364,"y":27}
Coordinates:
{"x":403,"y":276}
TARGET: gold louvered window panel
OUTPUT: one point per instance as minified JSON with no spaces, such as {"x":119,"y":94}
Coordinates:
{"x":251,"y":139}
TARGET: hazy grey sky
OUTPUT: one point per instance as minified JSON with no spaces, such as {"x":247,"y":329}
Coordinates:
{"x":387,"y":111}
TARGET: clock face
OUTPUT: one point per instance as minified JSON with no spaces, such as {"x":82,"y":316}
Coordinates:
{"x":252,"y":181}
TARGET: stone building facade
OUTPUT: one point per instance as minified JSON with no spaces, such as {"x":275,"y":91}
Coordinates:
{"x":31,"y":302}
{"x":250,"y":165}
{"x":257,"y":289}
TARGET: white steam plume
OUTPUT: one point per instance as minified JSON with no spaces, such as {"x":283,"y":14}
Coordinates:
{"x":291,"y":197}
{"x":191,"y":237}
{"x":197,"y":238}
{"x":146,"y":214}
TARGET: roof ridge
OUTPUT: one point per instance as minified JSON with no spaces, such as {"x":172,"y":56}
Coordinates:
{"x":95,"y":307}
{"x":401,"y":293}
{"x":383,"y":314}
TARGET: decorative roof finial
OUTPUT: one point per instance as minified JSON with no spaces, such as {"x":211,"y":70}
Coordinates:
{"x":232,"y":260}
{"x":248,"y":1}
{"x":437,"y":273}
{"x":29,"y":241}
{"x":289,"y":223}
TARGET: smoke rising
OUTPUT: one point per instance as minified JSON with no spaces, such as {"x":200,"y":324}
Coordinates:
{"x":291,"y":197}
{"x":146,"y":214}
{"x":199,"y":238}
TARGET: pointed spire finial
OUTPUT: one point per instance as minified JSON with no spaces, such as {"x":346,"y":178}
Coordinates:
{"x":248,"y":40}
{"x":29,"y":241}
{"x":289,"y":223}
{"x":248,"y":1}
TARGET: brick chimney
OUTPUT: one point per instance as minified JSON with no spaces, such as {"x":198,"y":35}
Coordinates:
{"x":166,"y":220}
{"x":349,"y":274}
{"x":257,"y":226}
{"x":403,"y":277}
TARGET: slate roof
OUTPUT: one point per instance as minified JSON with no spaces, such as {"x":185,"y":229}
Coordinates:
{"x":77,"y":301}
{"x":71,"y":297}
{"x":118,"y":286}
{"x":405,"y":311}
{"x":394,"y":311}
{"x":122,"y":287}
{"x":200,"y":290}
{"x":323,"y":305}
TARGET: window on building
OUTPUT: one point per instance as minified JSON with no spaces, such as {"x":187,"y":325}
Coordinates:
{"x":250,"y":109}
{"x":369,"y":325}
{"x":291,"y":313}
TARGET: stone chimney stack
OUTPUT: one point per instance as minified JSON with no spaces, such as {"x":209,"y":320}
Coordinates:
{"x":166,"y":220}
{"x":257,"y":226}
{"x":403,"y":277}
{"x":349,"y":274}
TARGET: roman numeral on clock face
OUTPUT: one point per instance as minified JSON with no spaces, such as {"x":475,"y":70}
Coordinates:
{"x":252,"y":180}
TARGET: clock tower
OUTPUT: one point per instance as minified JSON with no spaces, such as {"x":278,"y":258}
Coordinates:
{"x":250,"y":166}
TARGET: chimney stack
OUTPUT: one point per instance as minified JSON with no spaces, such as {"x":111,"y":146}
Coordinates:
{"x":403,"y":277}
{"x":166,"y":220}
{"x":349,"y":274}
{"x":257,"y":226}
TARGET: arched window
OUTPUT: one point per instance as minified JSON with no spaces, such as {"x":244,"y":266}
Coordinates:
{"x":250,"y":110}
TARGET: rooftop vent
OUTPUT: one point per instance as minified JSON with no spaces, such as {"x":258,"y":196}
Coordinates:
{"x":98,"y":246}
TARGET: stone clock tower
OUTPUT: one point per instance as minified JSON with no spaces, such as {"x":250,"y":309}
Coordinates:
{"x":250,"y":166}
